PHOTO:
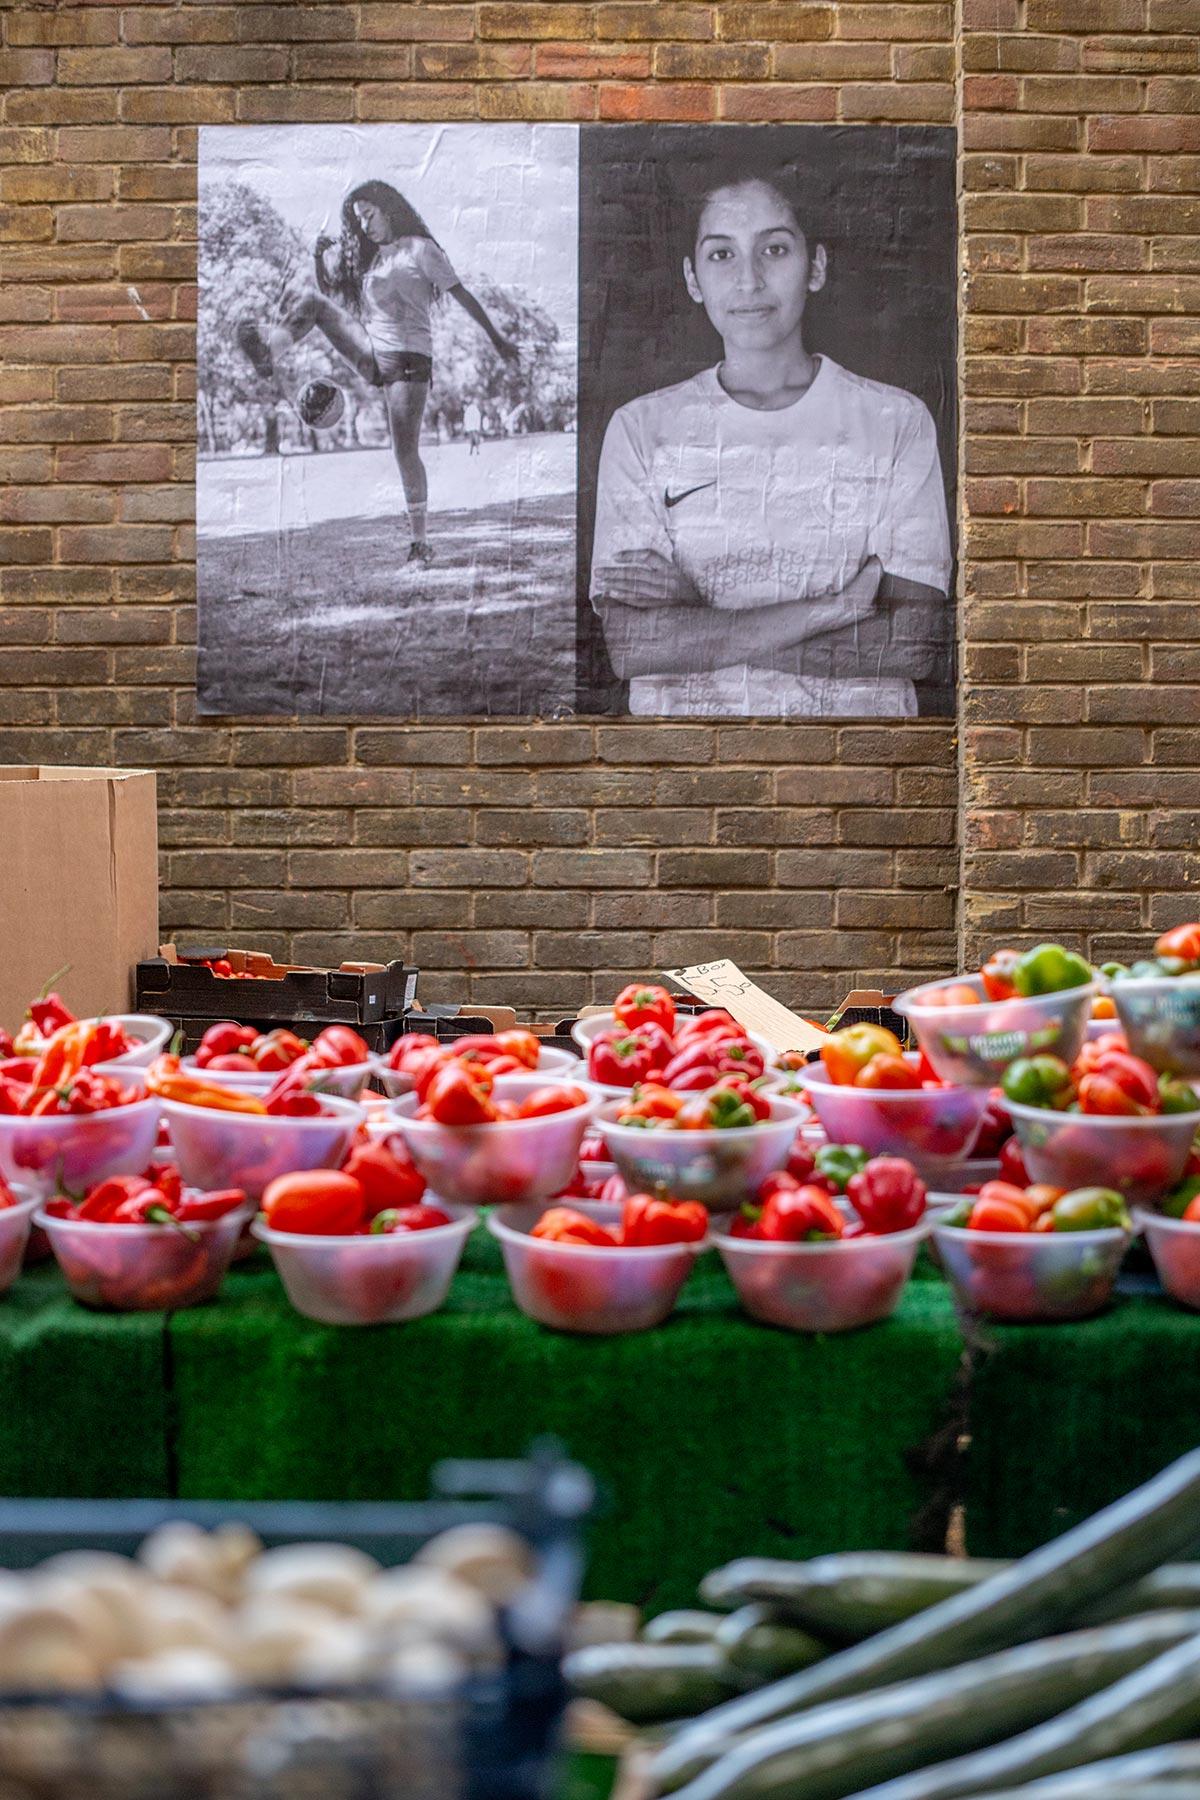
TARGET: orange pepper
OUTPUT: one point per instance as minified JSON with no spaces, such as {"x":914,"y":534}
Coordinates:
{"x":169,"y":1081}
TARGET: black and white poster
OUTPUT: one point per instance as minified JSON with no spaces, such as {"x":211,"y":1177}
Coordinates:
{"x":533,"y":421}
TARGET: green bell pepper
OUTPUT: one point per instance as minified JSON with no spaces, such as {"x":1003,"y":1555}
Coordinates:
{"x":1175,"y":1096}
{"x":838,"y":1163}
{"x":1179,"y":1199}
{"x":728,"y":1111}
{"x":1039,"y":1081}
{"x":1048,"y":969}
{"x":1116,"y":971}
{"x":1091,"y":1209}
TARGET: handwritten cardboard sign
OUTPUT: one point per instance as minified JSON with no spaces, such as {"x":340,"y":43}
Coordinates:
{"x":724,"y":984}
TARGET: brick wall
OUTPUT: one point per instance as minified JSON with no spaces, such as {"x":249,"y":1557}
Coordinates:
{"x":551,"y":859}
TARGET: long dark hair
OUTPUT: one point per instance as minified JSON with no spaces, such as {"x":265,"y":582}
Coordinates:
{"x":784,"y":179}
{"x":343,"y":277}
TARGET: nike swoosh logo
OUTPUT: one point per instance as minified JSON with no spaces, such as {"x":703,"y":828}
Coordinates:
{"x":674,"y":499}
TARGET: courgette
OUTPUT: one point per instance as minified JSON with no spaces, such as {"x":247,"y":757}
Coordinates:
{"x":1166,"y":1762}
{"x":763,"y":1646}
{"x":1049,"y":1586}
{"x":1157,"y":1704}
{"x":848,"y":1597}
{"x":1185,"y":1789}
{"x":846,"y":1746}
{"x":645,"y":1683}
{"x":684,"y":1626}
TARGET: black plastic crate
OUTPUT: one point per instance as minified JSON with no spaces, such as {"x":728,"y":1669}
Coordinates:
{"x":494,"y":1738}
{"x":368,"y":997}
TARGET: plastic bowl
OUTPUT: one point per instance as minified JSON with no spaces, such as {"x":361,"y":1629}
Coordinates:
{"x":935,"y":1128}
{"x":835,"y":1286}
{"x":1030,"y":1275}
{"x":15,"y":1224}
{"x":972,"y":1046}
{"x":1160,"y":1017}
{"x":248,"y":1150}
{"x":584,"y":1287}
{"x":143,"y":1268}
{"x":347,"y":1083}
{"x":75,"y":1152}
{"x":369,"y":1280}
{"x":514,"y":1160}
{"x":721,"y":1168}
{"x":1174,"y":1245}
{"x":152,"y":1034}
{"x":553,"y":1064}
{"x":1144,"y":1158}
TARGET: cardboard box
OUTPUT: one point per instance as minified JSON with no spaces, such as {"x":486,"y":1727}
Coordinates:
{"x":80,"y":860}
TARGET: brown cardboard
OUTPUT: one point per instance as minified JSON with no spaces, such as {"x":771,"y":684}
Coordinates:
{"x":722,"y":983}
{"x":80,"y":881}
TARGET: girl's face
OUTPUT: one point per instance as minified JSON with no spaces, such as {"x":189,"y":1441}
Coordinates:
{"x":372,"y":221}
{"x":751,"y":267}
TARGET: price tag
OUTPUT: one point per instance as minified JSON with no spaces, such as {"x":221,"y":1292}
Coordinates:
{"x":724,"y":984}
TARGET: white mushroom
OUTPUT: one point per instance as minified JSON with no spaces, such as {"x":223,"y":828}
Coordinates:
{"x":427,"y":1668}
{"x":340,"y":1657}
{"x":108,"y":1593}
{"x":410,"y":1604}
{"x":275,"y":1636}
{"x":335,"y":1576}
{"x":215,"y":1561}
{"x":184,"y":1674}
{"x":45,"y":1646}
{"x":491,"y":1558}
{"x":183,"y":1618}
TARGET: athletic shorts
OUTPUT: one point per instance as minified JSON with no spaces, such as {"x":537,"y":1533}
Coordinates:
{"x":401,"y":365}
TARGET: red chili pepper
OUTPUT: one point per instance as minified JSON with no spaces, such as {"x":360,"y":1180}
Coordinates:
{"x":50,"y":1014}
{"x":388,"y":1177}
{"x":106,"y":1042}
{"x":6,"y":1043}
{"x":654,"y":1219}
{"x":888,"y":1195}
{"x":563,"y":1225}
{"x":201,"y":1208}
{"x":18,"y":1069}
{"x":293,"y":1103}
{"x":799,"y":1215}
{"x":460,"y":1095}
{"x":317,"y":1202}
{"x":640,"y":1005}
{"x":101,"y":1203}
{"x":150,"y":1207}
{"x":338,"y":1047}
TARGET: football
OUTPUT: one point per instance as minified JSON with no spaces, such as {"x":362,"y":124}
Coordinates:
{"x":321,"y":404}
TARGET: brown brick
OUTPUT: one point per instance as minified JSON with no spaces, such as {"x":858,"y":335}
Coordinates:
{"x":1084,"y":16}
{"x":113,"y":65}
{"x":424,"y":24}
{"x":778,"y":101}
{"x":712,"y":62}
{"x":236,"y":64}
{"x":669,"y":19}
{"x":662,"y":101}
{"x":541,"y":19}
{"x":592,"y":62}
{"x":533,"y":100}
{"x":56,"y":182}
{"x":293,"y":24}
{"x":775,"y":21}
{"x":1019,"y":53}
{"x":1160,"y":135}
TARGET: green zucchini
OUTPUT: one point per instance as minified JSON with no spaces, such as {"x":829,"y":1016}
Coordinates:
{"x":846,"y":1746}
{"x":1046,"y":1588}
{"x":852,"y":1596}
{"x":1112,"y":1790}
{"x":762,"y":1646}
{"x":648,"y":1682}
{"x":1166,"y":1762}
{"x":684,"y":1626}
{"x":1156,"y":1704}
{"x":848,"y":1597}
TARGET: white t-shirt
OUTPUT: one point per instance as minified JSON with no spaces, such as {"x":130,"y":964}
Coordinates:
{"x":398,"y":290}
{"x":472,"y":417}
{"x":752,"y":508}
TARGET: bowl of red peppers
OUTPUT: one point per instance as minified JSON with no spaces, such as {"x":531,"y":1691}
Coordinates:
{"x":803,"y":1257}
{"x":600,"y":1268}
{"x":116,"y":1042}
{"x":362,"y":1245}
{"x":144,"y":1243}
{"x":866,"y":1090}
{"x":643,"y":1039}
{"x":1037,"y":1252}
{"x":480,"y":1140}
{"x":223,"y":1138}
{"x":17,"y":1207}
{"x":1108,"y":1118}
{"x":63,"y":1121}
{"x":412,"y":1056}
{"x":714,"y":1146}
{"x":337,"y":1061}
{"x":1019,"y":1004}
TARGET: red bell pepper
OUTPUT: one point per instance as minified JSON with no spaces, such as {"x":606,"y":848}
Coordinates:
{"x":997,"y":974}
{"x":316,"y":1202}
{"x":738,"y":1056}
{"x":743,"y":1086}
{"x":799,"y":1215}
{"x":225,"y":1039}
{"x":716,"y":1023}
{"x":277,"y":1050}
{"x":563,"y":1225}
{"x":621,"y":1058}
{"x":460,"y":1095}
{"x":406,"y":1218}
{"x":639,"y":1005}
{"x":338,"y":1047}
{"x":1117,"y":1084}
{"x":1183,"y":941}
{"x":888,"y":1195}
{"x":545,"y":1101}
{"x":386,"y":1173}
{"x":406,"y":1049}
{"x":654,"y":1219}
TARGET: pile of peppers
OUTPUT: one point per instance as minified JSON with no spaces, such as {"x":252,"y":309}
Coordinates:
{"x":155,"y":1198}
{"x":1105,"y":1080}
{"x":647,"y":1220}
{"x":731,"y":1105}
{"x":648,"y":1044}
{"x":1177,"y":952}
{"x":459,"y":1093}
{"x":1003,"y":1206}
{"x":377,"y":1191}
{"x":502,"y":1053}
{"x":886,"y":1193}
{"x":49,"y":1014}
{"x":290,"y":1097}
{"x":227,"y":1047}
{"x":63,"y":1080}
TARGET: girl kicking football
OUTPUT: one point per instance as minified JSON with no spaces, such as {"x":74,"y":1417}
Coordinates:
{"x":375,"y":287}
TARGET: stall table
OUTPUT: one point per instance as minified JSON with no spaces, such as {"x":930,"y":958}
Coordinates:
{"x":711,"y":1437}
